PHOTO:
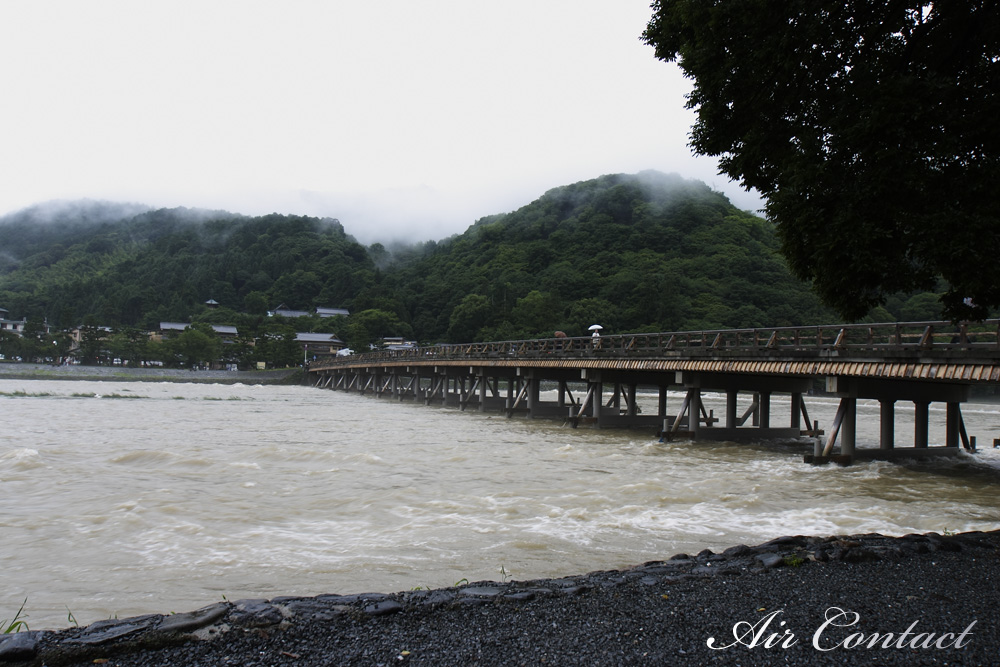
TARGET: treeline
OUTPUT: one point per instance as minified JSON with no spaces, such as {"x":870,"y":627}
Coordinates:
{"x":198,"y":345}
{"x":635,"y":253}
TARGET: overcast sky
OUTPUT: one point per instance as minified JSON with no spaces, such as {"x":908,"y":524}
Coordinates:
{"x":399,"y":117}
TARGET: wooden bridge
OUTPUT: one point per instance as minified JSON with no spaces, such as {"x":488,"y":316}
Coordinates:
{"x":921,"y":362}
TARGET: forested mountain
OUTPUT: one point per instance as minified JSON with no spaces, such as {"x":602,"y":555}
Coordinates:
{"x":639,"y":252}
{"x":642,"y":252}
{"x":128,"y":269}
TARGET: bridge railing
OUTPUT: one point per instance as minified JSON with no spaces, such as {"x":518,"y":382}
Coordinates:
{"x":877,"y":340}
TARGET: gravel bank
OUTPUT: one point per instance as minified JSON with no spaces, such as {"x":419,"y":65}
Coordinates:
{"x":119,"y":373}
{"x":846,"y":600}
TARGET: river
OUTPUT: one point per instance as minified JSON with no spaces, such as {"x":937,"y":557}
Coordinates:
{"x":123,"y":498}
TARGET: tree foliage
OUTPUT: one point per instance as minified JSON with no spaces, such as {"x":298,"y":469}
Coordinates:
{"x":870,"y":129}
{"x":639,"y":252}
{"x":135,"y":270}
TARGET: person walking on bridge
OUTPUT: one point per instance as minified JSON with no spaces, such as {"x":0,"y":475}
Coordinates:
{"x":596,"y":336}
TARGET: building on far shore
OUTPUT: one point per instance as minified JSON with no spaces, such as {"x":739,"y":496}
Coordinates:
{"x":322,"y":311}
{"x":332,"y":312}
{"x":285,"y":311}
{"x":7,"y":324}
{"x":315,"y":345}
{"x":169,"y":329}
{"x":18,"y":326}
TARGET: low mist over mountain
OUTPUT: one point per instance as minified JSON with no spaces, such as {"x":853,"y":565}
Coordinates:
{"x":632,"y":252}
{"x":642,"y":252}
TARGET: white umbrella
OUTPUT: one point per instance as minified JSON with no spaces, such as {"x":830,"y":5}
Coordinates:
{"x":595,"y":327}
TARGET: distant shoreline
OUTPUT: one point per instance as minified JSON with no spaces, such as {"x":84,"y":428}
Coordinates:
{"x":20,"y":371}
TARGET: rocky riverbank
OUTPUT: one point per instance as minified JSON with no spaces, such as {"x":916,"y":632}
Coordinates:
{"x":121,"y":373}
{"x":846,"y":600}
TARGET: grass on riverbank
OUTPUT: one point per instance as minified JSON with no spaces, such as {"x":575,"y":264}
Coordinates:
{"x":16,"y":625}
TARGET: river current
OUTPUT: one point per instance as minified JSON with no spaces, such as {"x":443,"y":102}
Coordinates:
{"x":124,"y":498}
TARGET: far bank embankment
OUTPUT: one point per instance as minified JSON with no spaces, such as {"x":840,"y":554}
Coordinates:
{"x":119,"y":373}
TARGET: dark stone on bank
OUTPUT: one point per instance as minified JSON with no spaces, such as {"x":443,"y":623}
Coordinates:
{"x":194,"y":620}
{"x":106,"y":631}
{"x":19,"y":646}
{"x":737,"y":551}
{"x":255,"y":614}
{"x":591,"y":619}
{"x":770,"y":560}
{"x":383,"y":607}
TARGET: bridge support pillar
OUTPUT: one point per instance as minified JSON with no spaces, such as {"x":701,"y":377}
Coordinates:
{"x":398,"y":385}
{"x":633,"y":409}
{"x":953,"y":420}
{"x":470,"y":389}
{"x":755,"y":413}
{"x":920,"y":428}
{"x":449,"y":387}
{"x":694,"y":412}
{"x":849,"y":429}
{"x":765,"y":409}
{"x":731,"y":396}
{"x":795,"y":405}
{"x":887,"y":423}
{"x":534,"y":404}
{"x":484,"y":383}
{"x":596,"y":389}
{"x":412,"y":389}
{"x":616,"y":398}
{"x":459,"y":385}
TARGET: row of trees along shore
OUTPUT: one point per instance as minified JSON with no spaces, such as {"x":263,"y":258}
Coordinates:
{"x":197,"y":346}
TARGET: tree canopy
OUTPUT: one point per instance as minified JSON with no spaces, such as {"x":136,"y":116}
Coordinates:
{"x":136,"y":269}
{"x":870,"y":129}
{"x":632,"y":252}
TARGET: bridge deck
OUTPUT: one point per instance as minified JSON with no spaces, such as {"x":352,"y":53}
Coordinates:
{"x":901,"y":350}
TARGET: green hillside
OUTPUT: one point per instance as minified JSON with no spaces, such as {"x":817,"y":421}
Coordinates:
{"x":641,"y":252}
{"x":126,"y":269}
